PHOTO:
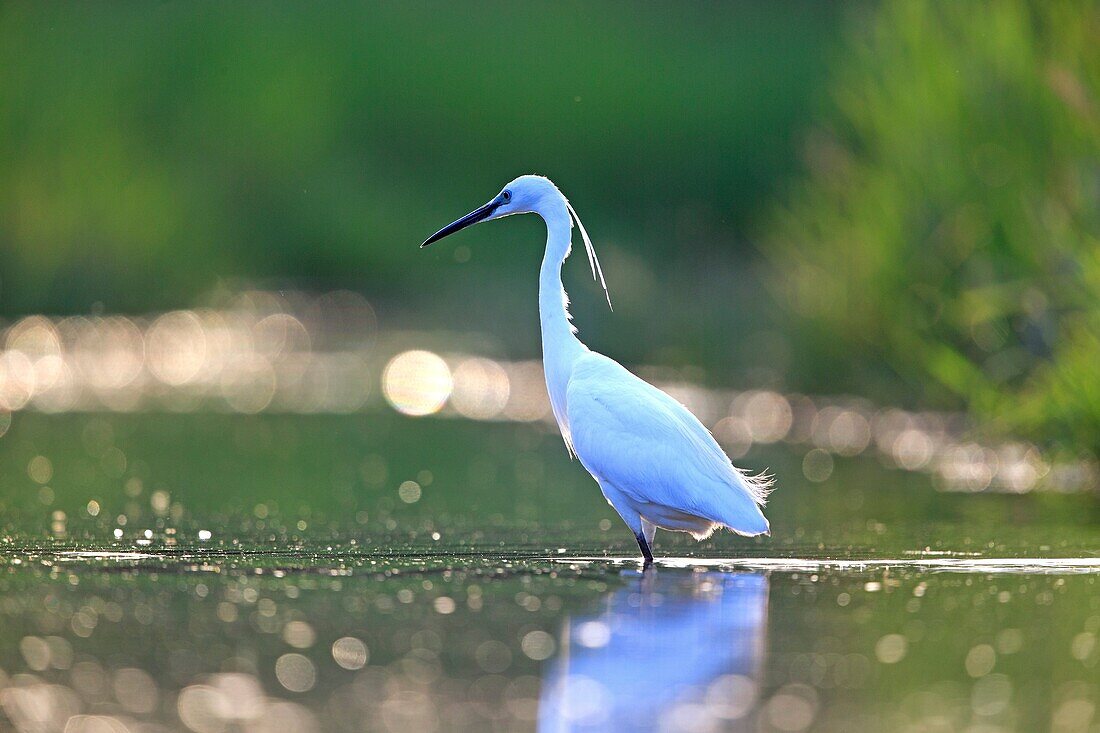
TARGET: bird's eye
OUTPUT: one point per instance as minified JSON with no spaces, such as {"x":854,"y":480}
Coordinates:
{"x":506,"y":196}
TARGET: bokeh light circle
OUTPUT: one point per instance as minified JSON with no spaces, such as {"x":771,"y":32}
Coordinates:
{"x":417,"y":382}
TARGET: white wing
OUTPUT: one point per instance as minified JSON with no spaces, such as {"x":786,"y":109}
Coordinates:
{"x":650,"y":447}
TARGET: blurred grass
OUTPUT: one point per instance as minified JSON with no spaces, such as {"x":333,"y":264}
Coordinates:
{"x":193,"y":143}
{"x":943,"y":247}
{"x":936,"y":246}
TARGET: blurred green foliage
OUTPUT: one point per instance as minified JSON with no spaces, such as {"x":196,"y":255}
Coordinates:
{"x":149,"y":150}
{"x":941,"y":249}
{"x":949,"y":225}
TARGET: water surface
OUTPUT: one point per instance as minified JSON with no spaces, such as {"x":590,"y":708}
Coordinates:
{"x":206,"y":572}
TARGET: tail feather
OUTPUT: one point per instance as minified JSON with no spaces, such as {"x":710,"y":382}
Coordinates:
{"x":752,"y":527}
{"x":757,"y":486}
{"x":743,"y":514}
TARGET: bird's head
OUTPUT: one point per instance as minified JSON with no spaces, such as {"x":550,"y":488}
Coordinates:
{"x":525,"y":195}
{"x":521,"y":196}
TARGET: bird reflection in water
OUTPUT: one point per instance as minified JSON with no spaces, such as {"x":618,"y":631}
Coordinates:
{"x":672,"y":651}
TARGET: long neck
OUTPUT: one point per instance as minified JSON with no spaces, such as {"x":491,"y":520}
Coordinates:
{"x":560,"y":345}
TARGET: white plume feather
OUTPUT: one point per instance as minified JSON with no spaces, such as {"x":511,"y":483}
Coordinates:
{"x":593,"y":260}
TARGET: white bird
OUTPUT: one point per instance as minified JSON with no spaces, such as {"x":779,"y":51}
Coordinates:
{"x":657,"y":465}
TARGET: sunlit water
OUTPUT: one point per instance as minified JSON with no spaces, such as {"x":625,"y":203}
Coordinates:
{"x":218,"y":641}
{"x":251,"y":518}
{"x":217,"y":572}
{"x":294,"y":352}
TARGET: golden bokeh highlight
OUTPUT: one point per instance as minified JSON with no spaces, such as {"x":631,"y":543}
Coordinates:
{"x":256,"y":352}
{"x":417,"y":382}
{"x":481,"y":389}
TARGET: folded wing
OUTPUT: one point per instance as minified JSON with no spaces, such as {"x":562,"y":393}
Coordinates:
{"x":650,"y":447}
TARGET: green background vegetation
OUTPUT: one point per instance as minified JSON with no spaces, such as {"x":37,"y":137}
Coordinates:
{"x":898,"y":200}
{"x":948,"y":230}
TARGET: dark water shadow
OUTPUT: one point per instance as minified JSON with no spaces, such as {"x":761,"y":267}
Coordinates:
{"x":667,"y":644}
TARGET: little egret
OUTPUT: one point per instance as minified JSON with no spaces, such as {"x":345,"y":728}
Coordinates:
{"x":657,"y":465}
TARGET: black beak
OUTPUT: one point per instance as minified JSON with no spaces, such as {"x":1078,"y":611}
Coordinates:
{"x":470,"y":219}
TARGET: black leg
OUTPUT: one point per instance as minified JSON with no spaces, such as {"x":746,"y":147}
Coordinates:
{"x":646,"y":552}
